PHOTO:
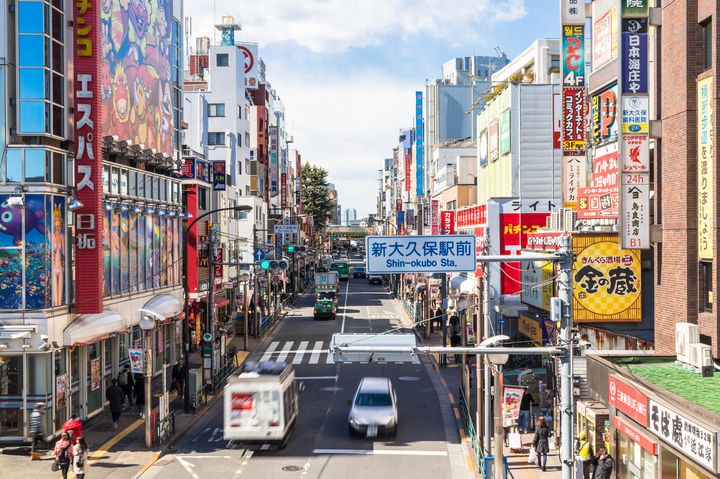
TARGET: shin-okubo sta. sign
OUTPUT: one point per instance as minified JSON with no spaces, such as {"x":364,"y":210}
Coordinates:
{"x":420,"y":254}
{"x":684,"y":435}
{"x":706,"y":168}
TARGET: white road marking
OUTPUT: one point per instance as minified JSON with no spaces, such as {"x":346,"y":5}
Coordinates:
{"x":269,"y":351}
{"x":189,"y":467}
{"x":217,"y":432}
{"x":347,"y":287}
{"x":299,"y":354}
{"x":207,"y":429}
{"x":285,"y":350}
{"x":379,"y":452}
{"x":308,"y":378}
{"x":330,"y":359}
{"x":317,"y":349}
{"x":247,"y":454}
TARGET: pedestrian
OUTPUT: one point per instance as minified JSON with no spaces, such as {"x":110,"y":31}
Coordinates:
{"x":73,"y":427}
{"x":126,"y":383}
{"x":63,"y":454}
{"x":114,"y":395}
{"x":140,"y":393}
{"x":525,"y":408}
{"x":36,"y":430}
{"x":455,"y":342}
{"x":439,"y":317}
{"x":541,"y":442}
{"x":178,"y":377}
{"x":584,"y":454}
{"x":80,"y":457}
{"x":603,"y":465}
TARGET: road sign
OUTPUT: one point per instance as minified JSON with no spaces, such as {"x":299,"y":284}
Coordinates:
{"x":276,"y":279}
{"x":259,"y":255}
{"x":207,"y":337}
{"x":286,"y":229}
{"x":420,"y":254}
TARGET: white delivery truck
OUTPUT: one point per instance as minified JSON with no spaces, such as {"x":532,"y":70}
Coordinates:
{"x":328,"y":282}
{"x":261,"y":405}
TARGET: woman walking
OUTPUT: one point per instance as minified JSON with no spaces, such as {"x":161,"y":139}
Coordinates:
{"x":541,"y":442}
{"x":80,"y":457}
{"x":63,"y":454}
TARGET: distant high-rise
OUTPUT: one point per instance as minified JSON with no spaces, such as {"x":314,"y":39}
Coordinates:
{"x":349,"y":216}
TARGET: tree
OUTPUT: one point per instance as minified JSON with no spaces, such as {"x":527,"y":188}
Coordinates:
{"x":315,"y":194}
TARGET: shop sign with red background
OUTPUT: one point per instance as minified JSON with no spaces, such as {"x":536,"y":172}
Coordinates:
{"x":447,"y":222}
{"x":605,"y":170}
{"x":514,"y":231}
{"x":88,"y":139}
{"x":477,"y":215}
{"x":545,"y":241}
{"x":628,"y":400}
{"x":435,"y":217}
{"x":597,"y":203}
{"x":624,"y":428}
{"x":573,"y":118}
{"x":479,"y":247}
{"x":283,"y":190}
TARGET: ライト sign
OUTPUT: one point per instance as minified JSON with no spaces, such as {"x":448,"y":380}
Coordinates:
{"x":606,"y":280}
{"x":706,"y":168}
{"x":420,"y":254}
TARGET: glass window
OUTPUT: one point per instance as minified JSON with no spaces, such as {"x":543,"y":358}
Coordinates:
{"x":163,"y":190}
{"x":133,"y":183}
{"x":57,"y":25}
{"x":148,"y":187}
{"x":115,"y":181}
{"x":58,"y":168}
{"x":202,"y":198}
{"x":58,"y":114}
{"x":156,"y":187}
{"x":124,"y":182}
{"x":106,"y":178}
{"x":32,"y":83}
{"x":58,"y":89}
{"x":222,"y":60}
{"x":31,"y":49}
{"x":216,"y":109}
{"x":141,"y":185}
{"x":216,"y":138}
{"x":35,"y":162}
{"x":32,"y":117}
{"x":706,"y":289}
{"x":58,"y":56}
{"x":14,"y":172}
{"x":30,"y":17}
{"x":707,"y":45}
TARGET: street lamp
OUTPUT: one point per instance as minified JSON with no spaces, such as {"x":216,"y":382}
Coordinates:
{"x":211,"y":292}
{"x":498,"y":361}
{"x":147,"y":324}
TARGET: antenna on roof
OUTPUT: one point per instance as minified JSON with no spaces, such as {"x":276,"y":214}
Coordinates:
{"x":499,"y":52}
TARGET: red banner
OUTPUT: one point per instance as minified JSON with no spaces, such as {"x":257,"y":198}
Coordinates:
{"x":447,"y":222}
{"x":435,"y":217}
{"x":408,"y":167}
{"x":514,"y":231}
{"x":283,"y":190}
{"x":573,"y":119}
{"x":476,"y":215}
{"x":628,"y":400}
{"x":605,"y":170}
{"x":88,"y":139}
{"x":479,"y":250}
{"x":597,"y":203}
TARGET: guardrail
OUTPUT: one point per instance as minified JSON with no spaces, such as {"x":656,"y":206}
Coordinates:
{"x":164,"y":428}
{"x":470,"y":428}
{"x":199,"y":398}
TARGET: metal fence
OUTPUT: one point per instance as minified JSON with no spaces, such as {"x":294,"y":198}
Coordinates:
{"x":164,"y":428}
{"x":470,"y":428}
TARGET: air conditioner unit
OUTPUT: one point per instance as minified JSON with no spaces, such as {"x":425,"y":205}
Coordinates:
{"x":701,"y":356}
{"x":685,"y":335}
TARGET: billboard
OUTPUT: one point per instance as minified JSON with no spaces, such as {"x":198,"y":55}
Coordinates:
{"x":419,"y":142}
{"x":250,"y":52}
{"x":514,"y":231}
{"x":505,"y":132}
{"x":218,"y":175}
{"x":573,"y":119}
{"x":706,"y":168}
{"x":483,"y":148}
{"x":573,"y":68}
{"x":606,"y":279}
{"x":634,"y":55}
{"x":136,"y":71}
{"x":493,"y":140}
{"x":605,"y":169}
{"x":605,"y":39}
{"x":604,"y":112}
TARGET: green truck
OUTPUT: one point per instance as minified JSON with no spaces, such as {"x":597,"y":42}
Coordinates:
{"x":342,"y":268}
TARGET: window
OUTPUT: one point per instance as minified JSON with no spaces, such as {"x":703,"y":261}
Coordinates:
{"x":133,"y":183}
{"x":202,"y":198}
{"x":239,"y":168}
{"x":216,"y":138}
{"x":240,"y":109}
{"x":216,"y":109}
{"x":36,"y":166}
{"x":705,"y":301}
{"x":239,"y":138}
{"x":222,"y":60}
{"x":707,"y":45}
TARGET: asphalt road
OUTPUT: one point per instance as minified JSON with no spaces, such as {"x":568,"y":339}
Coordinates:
{"x":427,"y":442}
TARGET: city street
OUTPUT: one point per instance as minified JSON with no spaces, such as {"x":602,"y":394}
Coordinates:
{"x":427,"y":442}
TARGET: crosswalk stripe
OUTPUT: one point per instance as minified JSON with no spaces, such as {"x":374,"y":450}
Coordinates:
{"x":330,"y":359}
{"x":269,"y":351}
{"x":299,"y":355}
{"x":285,"y":350}
{"x":315,"y":356}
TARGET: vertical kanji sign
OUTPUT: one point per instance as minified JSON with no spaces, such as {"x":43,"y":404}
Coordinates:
{"x":88,"y":139}
{"x":706,"y":168}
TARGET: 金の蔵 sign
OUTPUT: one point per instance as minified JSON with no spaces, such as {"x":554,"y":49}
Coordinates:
{"x":420,"y":254}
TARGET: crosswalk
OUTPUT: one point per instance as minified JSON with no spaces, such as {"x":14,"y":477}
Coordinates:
{"x":302,"y":352}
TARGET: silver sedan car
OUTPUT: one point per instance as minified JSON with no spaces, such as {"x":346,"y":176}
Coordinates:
{"x":374,"y":409}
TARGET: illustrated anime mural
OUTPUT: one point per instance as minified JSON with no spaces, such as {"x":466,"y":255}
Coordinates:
{"x":37,"y":249}
{"x":11,"y":233}
{"x":57,"y":248}
{"x":136,"y":72}
{"x":134,"y":276}
{"x":124,"y":252}
{"x":149,"y":259}
{"x":106,"y":254}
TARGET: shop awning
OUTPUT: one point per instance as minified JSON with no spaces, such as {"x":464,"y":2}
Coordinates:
{"x":20,"y":331}
{"x":218,"y":301}
{"x":88,"y":328}
{"x":164,"y":306}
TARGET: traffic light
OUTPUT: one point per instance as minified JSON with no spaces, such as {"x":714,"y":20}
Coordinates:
{"x":296,"y":248}
{"x":283,"y":264}
{"x":269,"y":264}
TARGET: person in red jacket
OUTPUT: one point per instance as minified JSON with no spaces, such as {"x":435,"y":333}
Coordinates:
{"x":73,"y":427}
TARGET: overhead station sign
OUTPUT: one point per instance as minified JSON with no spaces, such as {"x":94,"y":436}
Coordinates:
{"x":420,"y":254}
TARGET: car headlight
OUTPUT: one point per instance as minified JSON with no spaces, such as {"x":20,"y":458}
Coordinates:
{"x":390,"y":422}
{"x":354,"y":422}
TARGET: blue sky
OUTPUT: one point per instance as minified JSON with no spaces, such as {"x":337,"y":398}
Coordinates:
{"x":347,"y":69}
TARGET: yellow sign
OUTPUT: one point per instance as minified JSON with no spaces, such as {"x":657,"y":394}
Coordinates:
{"x":607,"y":280}
{"x":706,"y":168}
{"x":531,"y":328}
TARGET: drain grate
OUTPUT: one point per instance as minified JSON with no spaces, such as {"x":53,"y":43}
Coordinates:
{"x":292,"y":468}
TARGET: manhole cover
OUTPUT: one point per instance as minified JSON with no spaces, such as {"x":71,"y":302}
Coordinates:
{"x":331,"y":389}
{"x":409,"y":378}
{"x":292,"y":468}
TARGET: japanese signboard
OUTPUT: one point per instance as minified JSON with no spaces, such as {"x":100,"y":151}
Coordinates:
{"x":537,"y":287}
{"x":512,"y":398}
{"x":604,"y":41}
{"x":505,"y":132}
{"x":635,"y":8}
{"x":604,"y":107}
{"x":408,"y":168}
{"x":636,"y":154}
{"x":475,"y":215}
{"x":493,"y":140}
{"x":634,"y":55}
{"x":574,"y":175}
{"x":605,"y":168}
{"x":194,"y":168}
{"x":572,"y":12}
{"x":483,"y":148}
{"x":607,"y":280}
{"x":400,"y":221}
{"x":283,"y":190}
{"x":435,"y":217}
{"x":635,"y":115}
{"x":635,"y":215}
{"x":637,"y":437}
{"x":545,"y":240}
{"x":628,"y":400}
{"x":218,"y":176}
{"x":530,"y":327}
{"x":597,"y":203}
{"x":273,"y":160}
{"x":447,"y":222}
{"x":420,"y":254}
{"x":479,"y":250}
{"x":706,"y":168}
{"x":573,"y":119}
{"x":573,"y":68}
{"x":419,"y":142}
{"x":250,"y":52}
{"x":514,"y":230}
{"x":685,"y":435}
{"x":88,"y":138}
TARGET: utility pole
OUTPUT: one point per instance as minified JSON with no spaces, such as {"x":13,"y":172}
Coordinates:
{"x":566,"y":375}
{"x":487,"y":374}
{"x":210,"y":317}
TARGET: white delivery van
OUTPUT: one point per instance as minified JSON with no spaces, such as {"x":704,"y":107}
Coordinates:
{"x":261,"y":405}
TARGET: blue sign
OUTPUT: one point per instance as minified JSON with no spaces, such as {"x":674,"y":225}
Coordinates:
{"x":259,"y":255}
{"x":420,"y":254}
{"x":419,"y":140}
{"x":400,"y":218}
{"x":219,"y":179}
{"x":634,"y":56}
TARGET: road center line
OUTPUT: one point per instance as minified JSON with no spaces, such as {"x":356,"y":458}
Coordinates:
{"x":347,"y":287}
{"x":380,"y":452}
{"x":307,"y":378}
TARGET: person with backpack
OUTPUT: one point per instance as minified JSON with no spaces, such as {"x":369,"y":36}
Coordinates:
{"x":63,"y":454}
{"x":126,"y":383}
{"x":73,"y":427}
{"x":36,"y":430}
{"x":80,"y":457}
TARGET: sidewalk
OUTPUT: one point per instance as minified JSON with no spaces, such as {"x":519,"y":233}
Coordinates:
{"x":121,"y":453}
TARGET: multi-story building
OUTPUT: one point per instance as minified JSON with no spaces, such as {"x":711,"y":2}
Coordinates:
{"x":91,"y":209}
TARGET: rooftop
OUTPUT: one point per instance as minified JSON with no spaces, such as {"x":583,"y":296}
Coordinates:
{"x":664,"y":373}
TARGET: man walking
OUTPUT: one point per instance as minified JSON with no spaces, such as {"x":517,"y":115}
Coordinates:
{"x":178,"y":377}
{"x":126,"y":383}
{"x":114,"y":395}
{"x":36,"y":430}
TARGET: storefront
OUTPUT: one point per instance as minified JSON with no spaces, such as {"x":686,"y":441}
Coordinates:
{"x":593,"y":418}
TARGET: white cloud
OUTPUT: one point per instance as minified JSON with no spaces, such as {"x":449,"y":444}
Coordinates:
{"x":325,"y":26}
